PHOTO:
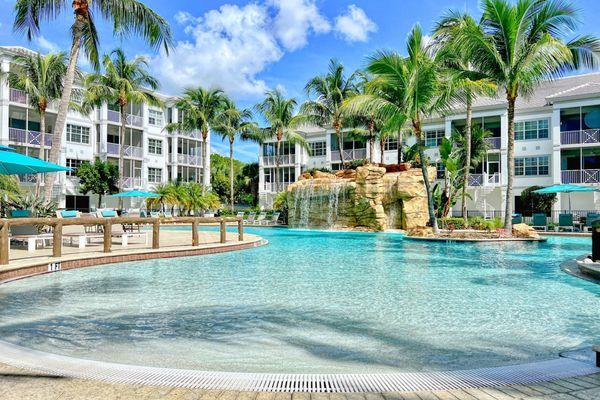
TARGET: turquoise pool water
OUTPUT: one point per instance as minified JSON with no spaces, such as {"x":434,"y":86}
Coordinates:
{"x":318,"y":302}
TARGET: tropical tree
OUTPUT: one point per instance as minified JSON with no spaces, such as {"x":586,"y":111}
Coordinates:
{"x":230,"y":124}
{"x":127,"y":17}
{"x":279,"y":113}
{"x":124,"y":82}
{"x":100,"y":178}
{"x":200,"y":107}
{"x":518,"y":46}
{"x":165,"y":195}
{"x":41,"y":78}
{"x":326,"y":110}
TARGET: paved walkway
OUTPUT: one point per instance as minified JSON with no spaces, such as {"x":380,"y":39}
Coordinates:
{"x":16,"y":384}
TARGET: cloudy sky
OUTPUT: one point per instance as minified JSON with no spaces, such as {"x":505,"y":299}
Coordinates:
{"x":248,"y":47}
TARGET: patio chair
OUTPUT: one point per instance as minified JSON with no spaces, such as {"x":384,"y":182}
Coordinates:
{"x":517,"y":218}
{"x":540,"y":221}
{"x":591,"y":217}
{"x":76,"y":232}
{"x":28,"y":234}
{"x":154,"y":214}
{"x":250,"y":219}
{"x":273,"y":220}
{"x":565,"y":222}
{"x":123,"y":231}
{"x":261,"y":217}
{"x":240,"y":214}
{"x":168,"y":214}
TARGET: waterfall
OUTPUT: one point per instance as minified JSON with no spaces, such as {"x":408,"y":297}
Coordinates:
{"x":316,"y":205}
{"x":333,"y":206}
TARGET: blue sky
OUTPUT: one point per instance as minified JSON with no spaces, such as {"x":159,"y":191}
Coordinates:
{"x":247,"y":47}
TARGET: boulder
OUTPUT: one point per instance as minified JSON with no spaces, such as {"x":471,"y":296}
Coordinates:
{"x":305,"y":176}
{"x":346,"y":174}
{"x":420,"y":231}
{"x":524,"y":231}
{"x":323,"y":175}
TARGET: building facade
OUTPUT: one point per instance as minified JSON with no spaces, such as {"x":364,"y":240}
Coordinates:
{"x":152,"y":156}
{"x":557,"y":140}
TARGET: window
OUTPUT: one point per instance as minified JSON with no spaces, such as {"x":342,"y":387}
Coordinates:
{"x":532,"y":166}
{"x":440,"y":170}
{"x":154,"y":175}
{"x":434,"y":138}
{"x":155,"y":146}
{"x":73,"y":164}
{"x":155,"y":117}
{"x":530,"y":130}
{"x":318,"y":149}
{"x":391,"y":143}
{"x":78,"y":134}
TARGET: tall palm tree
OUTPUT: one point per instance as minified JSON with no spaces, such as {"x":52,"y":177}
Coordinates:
{"x":331,"y":91}
{"x":519,"y":45}
{"x":468,"y":82}
{"x":41,"y":77}
{"x":278,"y":112}
{"x":127,"y":17}
{"x":124,"y":82}
{"x":231,"y":123}
{"x":200,"y":107}
{"x":407,"y":88}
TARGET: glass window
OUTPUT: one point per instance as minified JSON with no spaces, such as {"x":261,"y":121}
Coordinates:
{"x":154,"y":175}
{"x":78,"y":134}
{"x":590,"y":117}
{"x":591,"y":158}
{"x":155,"y":146}
{"x":73,"y":164}
{"x":434,"y":138}
{"x":391,"y":143}
{"x":155,"y":117}
{"x":531,"y":130}
{"x":318,"y":149}
{"x":532,"y":166}
{"x":570,"y":119}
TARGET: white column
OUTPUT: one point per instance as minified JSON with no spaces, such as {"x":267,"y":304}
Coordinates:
{"x":555,"y":132}
{"x":328,"y":147}
{"x":448,"y":127}
{"x":4,"y":101}
{"x":504,"y":149}
{"x":206,"y":173}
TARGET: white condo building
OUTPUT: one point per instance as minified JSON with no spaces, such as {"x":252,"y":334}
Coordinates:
{"x":557,"y":140}
{"x":152,"y":155}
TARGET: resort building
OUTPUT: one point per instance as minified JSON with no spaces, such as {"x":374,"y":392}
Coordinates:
{"x":557,"y":140}
{"x":152,"y":155}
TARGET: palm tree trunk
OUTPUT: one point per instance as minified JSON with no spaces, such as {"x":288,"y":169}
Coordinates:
{"x":277,"y":164}
{"x":42,"y":157}
{"x":63,"y":108}
{"x":382,"y":150}
{"x":468,"y":134}
{"x":371,"y":149}
{"x":400,"y":139}
{"x":204,"y":159}
{"x":338,"y":132}
{"x":511,"y":165}
{"x":231,"y":173}
{"x":122,"y":153}
{"x":432,"y":217}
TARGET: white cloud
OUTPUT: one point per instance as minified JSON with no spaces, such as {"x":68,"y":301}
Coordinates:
{"x":294,"y":21}
{"x":355,"y":25}
{"x":46,"y":46}
{"x":184,"y":17}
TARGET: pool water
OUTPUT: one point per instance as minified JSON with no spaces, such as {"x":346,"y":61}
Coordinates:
{"x":316,"y":302}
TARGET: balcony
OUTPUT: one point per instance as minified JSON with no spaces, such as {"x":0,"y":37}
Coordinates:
{"x":28,"y":137}
{"x":132,"y":120}
{"x":580,"y":176}
{"x":288,"y":159}
{"x":485,"y":179}
{"x":133,"y":182}
{"x":587,"y":136}
{"x":493,"y":143}
{"x":18,"y":96}
{"x":189,"y":159}
{"x":190,"y":134}
{"x":271,"y":187}
{"x":349,"y":155}
{"x":27,"y":178}
{"x":133,"y":151}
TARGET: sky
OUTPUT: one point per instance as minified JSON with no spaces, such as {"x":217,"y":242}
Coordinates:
{"x":248,"y":47}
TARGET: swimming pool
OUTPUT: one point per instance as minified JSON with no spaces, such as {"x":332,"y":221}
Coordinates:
{"x":316,"y":302}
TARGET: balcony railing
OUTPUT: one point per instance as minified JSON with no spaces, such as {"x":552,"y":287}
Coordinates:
{"x":271,"y":187}
{"x":485,"y":179}
{"x":580,"y":176}
{"x":133,"y":151}
{"x":133,"y":182}
{"x":493,"y":143}
{"x":133,"y":120}
{"x":189,"y":159}
{"x":18,"y":96}
{"x":288,"y":159}
{"x":580,"y":137}
{"x":114,"y":116}
{"x":28,"y":137}
{"x":191,"y":134}
{"x":476,"y":180}
{"x":113,"y":149}
{"x":356,"y":154}
{"x":27,"y":178}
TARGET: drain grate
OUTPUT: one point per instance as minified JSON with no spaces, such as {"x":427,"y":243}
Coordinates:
{"x":346,"y":383}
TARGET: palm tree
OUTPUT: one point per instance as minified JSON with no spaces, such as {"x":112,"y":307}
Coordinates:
{"x":518,"y":46}
{"x":278,"y":112}
{"x":41,"y":77}
{"x":124,"y":82}
{"x":166,"y":195}
{"x":231,"y":123}
{"x":126,"y":16}
{"x":407,"y":88}
{"x":468,"y":82}
{"x":331,"y":91}
{"x":200,"y":108}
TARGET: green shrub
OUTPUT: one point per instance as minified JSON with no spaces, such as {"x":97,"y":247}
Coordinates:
{"x":452,"y":223}
{"x":477,"y":223}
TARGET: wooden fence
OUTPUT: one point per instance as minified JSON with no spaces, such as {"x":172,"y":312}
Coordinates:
{"x":106,"y":223}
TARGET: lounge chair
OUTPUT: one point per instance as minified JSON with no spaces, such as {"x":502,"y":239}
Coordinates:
{"x":250,"y":219}
{"x":154,"y":214}
{"x":168,"y":214}
{"x":540,"y":221}
{"x":261,"y":217}
{"x":240,"y":214}
{"x":76,"y":232}
{"x":27,"y":233}
{"x":565,"y":222}
{"x":124,"y":232}
{"x":273,"y":220}
{"x":517,"y":219}
{"x":591,"y":217}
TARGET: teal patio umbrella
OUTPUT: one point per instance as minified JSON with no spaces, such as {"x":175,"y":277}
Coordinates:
{"x":136,"y":193}
{"x":13,"y":163}
{"x":566,"y":188}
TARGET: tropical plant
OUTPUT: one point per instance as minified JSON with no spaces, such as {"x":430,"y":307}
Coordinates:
{"x":327,"y":110}
{"x":451,"y":160}
{"x":41,"y":78}
{"x":281,"y":203}
{"x":248,"y":181}
{"x":278,"y":111}
{"x":10,"y":190}
{"x":229,"y":124}
{"x":100,"y":178}
{"x":166,"y":195}
{"x":188,"y":197}
{"x":127,"y":17}
{"x":200,"y":107}
{"x":124,"y":82}
{"x":518,"y":46}
{"x":38,"y":206}
{"x":537,"y":202}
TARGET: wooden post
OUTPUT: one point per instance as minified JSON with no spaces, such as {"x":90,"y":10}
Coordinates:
{"x":156,"y":234}
{"x":107,"y":235}
{"x":195,"y":241}
{"x":223,"y":231}
{"x":241,"y":230}
{"x":57,"y":240}
{"x":4,"y":243}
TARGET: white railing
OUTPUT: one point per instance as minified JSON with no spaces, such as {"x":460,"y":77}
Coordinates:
{"x":133,"y":182}
{"x":271,"y":187}
{"x":493,"y":143}
{"x":349,"y":155}
{"x":18,"y":96}
{"x":580,"y":137}
{"x":493,"y":179}
{"x":135,"y":120}
{"x":27,"y":178}
{"x":113,"y":148}
{"x":114,"y":116}
{"x":580,"y":176}
{"x":189,"y":159}
{"x":29,"y":137}
{"x":133,"y":151}
{"x":288,"y":159}
{"x":475,"y":180}
{"x":485,"y":179}
{"x":191,"y":134}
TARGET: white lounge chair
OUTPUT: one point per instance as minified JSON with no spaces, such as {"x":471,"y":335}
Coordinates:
{"x":118,"y":230}
{"x":261,"y":217}
{"x":240,"y":214}
{"x":250,"y":219}
{"x":28,"y":234}
{"x":76,"y":232}
{"x":274,"y":220}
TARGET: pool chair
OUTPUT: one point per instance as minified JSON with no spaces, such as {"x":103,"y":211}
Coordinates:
{"x":240,"y":214}
{"x":168,"y":214}
{"x":123,"y":231}
{"x":260,"y":219}
{"x":591,"y":217}
{"x":250,"y":219}
{"x":154,"y":214}
{"x":565,"y":222}
{"x":540,"y":221}
{"x":517,"y":219}
{"x":76,"y":233}
{"x":27,"y":234}
{"x":273,"y":220}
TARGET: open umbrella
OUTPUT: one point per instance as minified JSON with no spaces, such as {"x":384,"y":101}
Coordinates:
{"x":566,"y":188}
{"x":13,"y":163}
{"x":136,"y":193}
